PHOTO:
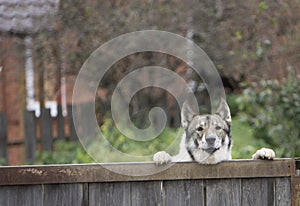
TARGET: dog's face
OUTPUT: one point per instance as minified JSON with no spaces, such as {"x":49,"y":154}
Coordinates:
{"x":207,"y":133}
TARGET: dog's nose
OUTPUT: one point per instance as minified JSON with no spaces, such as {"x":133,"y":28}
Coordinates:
{"x":210,"y":139}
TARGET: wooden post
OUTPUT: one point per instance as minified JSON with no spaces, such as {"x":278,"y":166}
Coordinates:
{"x":30,"y":136}
{"x":46,"y":130}
{"x":73,"y":134}
{"x":60,"y":124}
{"x":3,"y":137}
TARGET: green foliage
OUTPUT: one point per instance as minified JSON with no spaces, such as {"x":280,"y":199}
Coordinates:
{"x":273,"y":110}
{"x":244,"y":143}
{"x":129,"y":146}
{"x":65,"y":152}
{"x":3,"y":162}
{"x":266,"y":114}
{"x":263,"y":6}
{"x":104,"y":150}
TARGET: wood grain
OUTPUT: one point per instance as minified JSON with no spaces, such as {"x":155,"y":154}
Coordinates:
{"x":223,"y":192}
{"x":29,"y":195}
{"x":146,"y":193}
{"x":109,"y":194}
{"x":63,"y":194}
{"x":258,"y":191}
{"x":183,"y":170}
{"x":182,"y":184}
{"x":184,"y":193}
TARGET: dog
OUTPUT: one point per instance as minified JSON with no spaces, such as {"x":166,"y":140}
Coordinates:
{"x":206,"y":138}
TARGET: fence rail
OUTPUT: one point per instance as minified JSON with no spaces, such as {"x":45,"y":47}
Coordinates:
{"x":244,"y":182}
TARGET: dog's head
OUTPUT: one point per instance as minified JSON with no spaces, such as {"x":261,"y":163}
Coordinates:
{"x":207,"y":132}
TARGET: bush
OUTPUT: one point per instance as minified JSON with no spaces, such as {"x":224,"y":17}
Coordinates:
{"x":273,"y":110}
{"x":115,"y":147}
{"x":65,"y":152}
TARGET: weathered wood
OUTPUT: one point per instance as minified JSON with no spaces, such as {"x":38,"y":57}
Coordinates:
{"x":295,"y":185}
{"x":46,"y":130}
{"x":183,"y":170}
{"x":110,"y":194}
{"x":182,"y":184}
{"x":72,"y":130}
{"x":63,"y":194}
{"x":3,"y":137}
{"x":146,"y":193}
{"x":283,"y":191}
{"x":223,"y":192}
{"x":29,"y":195}
{"x":184,"y":192}
{"x":258,"y":191}
{"x":60,"y":123}
{"x":30,"y":136}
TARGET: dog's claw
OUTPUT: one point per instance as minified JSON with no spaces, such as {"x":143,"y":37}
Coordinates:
{"x":264,"y":153}
{"x":162,"y":158}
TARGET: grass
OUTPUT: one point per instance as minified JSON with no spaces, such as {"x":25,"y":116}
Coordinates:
{"x":244,"y":142}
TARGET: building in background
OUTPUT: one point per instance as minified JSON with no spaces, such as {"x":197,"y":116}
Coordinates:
{"x":20,"y":22}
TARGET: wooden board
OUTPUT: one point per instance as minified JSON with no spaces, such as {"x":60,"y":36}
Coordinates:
{"x":30,"y":136}
{"x":29,"y":195}
{"x":146,"y":193}
{"x":283,"y":191}
{"x":223,"y":192}
{"x":3,"y":137}
{"x":97,"y":173}
{"x":109,"y":194}
{"x":184,"y":192}
{"x":209,"y":192}
{"x":63,"y":194}
{"x":258,"y":191}
{"x":46,"y":130}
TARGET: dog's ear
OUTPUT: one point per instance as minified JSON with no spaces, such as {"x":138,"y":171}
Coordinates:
{"x":187,"y":115}
{"x":223,"y":111}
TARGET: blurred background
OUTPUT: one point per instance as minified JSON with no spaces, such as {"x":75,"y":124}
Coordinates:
{"x":255,"y":46}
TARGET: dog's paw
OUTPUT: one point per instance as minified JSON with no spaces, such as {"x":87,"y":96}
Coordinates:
{"x":162,"y":158}
{"x":264,"y":153}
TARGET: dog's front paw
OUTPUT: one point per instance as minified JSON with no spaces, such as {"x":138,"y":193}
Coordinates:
{"x":162,"y":158}
{"x":264,"y":153}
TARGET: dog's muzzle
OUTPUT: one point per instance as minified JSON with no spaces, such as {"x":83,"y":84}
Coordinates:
{"x":211,"y":150}
{"x":210,"y":140}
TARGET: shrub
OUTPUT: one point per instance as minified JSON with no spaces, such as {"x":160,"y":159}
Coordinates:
{"x":273,"y":110}
{"x":65,"y":152}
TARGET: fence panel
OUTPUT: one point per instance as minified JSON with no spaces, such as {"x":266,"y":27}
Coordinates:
{"x":29,"y":195}
{"x":73,"y":134}
{"x":258,"y":191}
{"x":63,"y":194}
{"x":46,"y":130}
{"x":182,"y":184}
{"x":109,"y":194}
{"x":3,"y":137}
{"x":184,"y":192}
{"x":30,"y":136}
{"x":225,"y":192}
{"x":60,"y":124}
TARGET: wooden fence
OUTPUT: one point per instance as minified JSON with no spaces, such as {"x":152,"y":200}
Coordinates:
{"x":241,"y":183}
{"x":42,"y":130}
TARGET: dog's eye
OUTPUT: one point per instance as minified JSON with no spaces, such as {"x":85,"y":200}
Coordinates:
{"x":218,"y":127}
{"x":199,"y":129}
